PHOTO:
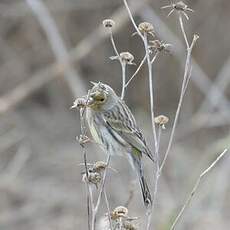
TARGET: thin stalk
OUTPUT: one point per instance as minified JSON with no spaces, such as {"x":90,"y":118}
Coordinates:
{"x":183,"y":30}
{"x":123,"y":65}
{"x":96,"y":207}
{"x":132,"y":20}
{"x":195,"y":187}
{"x":136,"y":72}
{"x":108,"y":209}
{"x":154,"y":57}
{"x":113,"y":43}
{"x":151,"y":93}
{"x":149,"y":214}
{"x":123,"y":68}
{"x":186,"y":77}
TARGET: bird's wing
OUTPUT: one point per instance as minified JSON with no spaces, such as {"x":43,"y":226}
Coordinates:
{"x":128,"y":130}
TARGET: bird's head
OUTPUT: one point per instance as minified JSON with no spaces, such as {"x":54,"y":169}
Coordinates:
{"x":101,"y":97}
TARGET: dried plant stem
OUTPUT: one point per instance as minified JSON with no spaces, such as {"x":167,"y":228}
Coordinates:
{"x":154,"y":57}
{"x":151,"y":93}
{"x":132,"y":19}
{"x":123,"y":67}
{"x":157,"y":169}
{"x":108,"y":209}
{"x":136,"y":72}
{"x":195,"y":187}
{"x":186,"y":77}
{"x":113,"y":43}
{"x":149,"y":64}
{"x":101,"y":191}
{"x":183,"y":30}
{"x":88,"y":189}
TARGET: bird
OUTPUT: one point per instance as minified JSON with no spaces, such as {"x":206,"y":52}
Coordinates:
{"x":113,"y":126}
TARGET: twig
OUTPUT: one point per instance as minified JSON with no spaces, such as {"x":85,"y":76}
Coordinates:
{"x":145,"y":41}
{"x":199,"y":78}
{"x":186,"y":77}
{"x":182,"y":29}
{"x":132,"y":20}
{"x":136,"y":72}
{"x":108,"y":209}
{"x":113,"y":43}
{"x":151,"y":93}
{"x":123,"y":67}
{"x":95,"y":207}
{"x":123,"y":64}
{"x":192,"y":193}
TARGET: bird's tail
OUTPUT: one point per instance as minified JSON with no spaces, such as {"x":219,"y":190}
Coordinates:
{"x":144,"y":187}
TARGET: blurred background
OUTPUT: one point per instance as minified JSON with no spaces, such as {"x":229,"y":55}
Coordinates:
{"x":49,"y":51}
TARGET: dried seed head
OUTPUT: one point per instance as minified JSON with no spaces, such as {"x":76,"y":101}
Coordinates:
{"x":127,"y":57}
{"x":118,"y":212}
{"x":161,"y":120}
{"x":108,"y":23}
{"x":129,"y":226}
{"x":124,"y":57}
{"x":180,"y":6}
{"x":159,"y":46}
{"x":99,"y":166}
{"x":146,"y":27}
{"x":93,"y":177}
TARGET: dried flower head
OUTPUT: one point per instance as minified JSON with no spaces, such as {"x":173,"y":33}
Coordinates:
{"x":161,"y":120}
{"x":119,"y":212}
{"x":179,"y":6}
{"x":129,"y":226}
{"x":125,"y":57}
{"x":146,"y":27}
{"x":108,"y":23}
{"x":99,"y":166}
{"x":159,"y":46}
{"x":83,"y":139}
{"x":93,"y":178}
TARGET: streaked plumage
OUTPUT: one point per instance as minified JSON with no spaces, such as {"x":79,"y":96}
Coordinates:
{"x":114,"y":128}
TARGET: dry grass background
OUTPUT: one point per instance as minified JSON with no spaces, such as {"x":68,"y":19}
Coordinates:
{"x":40,"y":176}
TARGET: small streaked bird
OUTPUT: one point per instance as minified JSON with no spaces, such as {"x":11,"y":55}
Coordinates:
{"x":113,"y":127}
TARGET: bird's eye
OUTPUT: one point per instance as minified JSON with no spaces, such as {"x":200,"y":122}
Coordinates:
{"x":102,"y":99}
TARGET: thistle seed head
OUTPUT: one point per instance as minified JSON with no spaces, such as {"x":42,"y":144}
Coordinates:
{"x":161,"y":120}
{"x":119,"y":212}
{"x":99,"y":166}
{"x":157,"y":45}
{"x":146,"y":27}
{"x":127,"y":57}
{"x":129,"y":226}
{"x":108,"y":23}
